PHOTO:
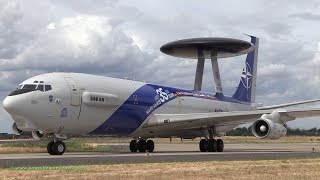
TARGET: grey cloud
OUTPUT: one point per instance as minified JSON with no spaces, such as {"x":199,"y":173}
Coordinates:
{"x":10,"y":15}
{"x":277,"y":29}
{"x":73,"y":48}
{"x":307,"y":16}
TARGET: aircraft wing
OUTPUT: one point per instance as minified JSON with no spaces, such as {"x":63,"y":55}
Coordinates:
{"x":288,"y":104}
{"x":196,"y":120}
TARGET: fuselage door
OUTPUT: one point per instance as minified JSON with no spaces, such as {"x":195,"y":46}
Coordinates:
{"x":74,"y":90}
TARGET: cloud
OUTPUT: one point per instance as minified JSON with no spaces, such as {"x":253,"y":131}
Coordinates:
{"x":83,"y":43}
{"x":316,"y":59}
{"x":307,"y":16}
{"x":10,"y":15}
{"x":122,"y":39}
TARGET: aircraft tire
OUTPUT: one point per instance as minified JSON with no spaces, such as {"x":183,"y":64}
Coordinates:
{"x":142,"y":145}
{"x":150,"y":146}
{"x":59,"y":148}
{"x":203,"y":145}
{"x":49,"y":148}
{"x":133,"y":146}
{"x":220,"y":145}
{"x":212,"y":145}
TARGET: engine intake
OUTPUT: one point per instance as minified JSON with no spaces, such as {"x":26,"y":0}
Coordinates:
{"x":16,"y":130}
{"x":267,"y":129}
{"x":37,"y":135}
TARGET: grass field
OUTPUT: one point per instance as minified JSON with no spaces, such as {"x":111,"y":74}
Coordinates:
{"x":271,"y":169}
{"x":73,"y":145}
{"x":92,"y":144}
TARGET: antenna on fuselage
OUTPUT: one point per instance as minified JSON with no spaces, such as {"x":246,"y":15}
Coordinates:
{"x":207,"y":48}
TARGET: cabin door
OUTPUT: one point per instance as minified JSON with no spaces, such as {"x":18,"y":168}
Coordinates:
{"x":75,"y":99}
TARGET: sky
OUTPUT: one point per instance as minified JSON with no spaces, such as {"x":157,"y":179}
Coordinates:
{"x":121,"y":38}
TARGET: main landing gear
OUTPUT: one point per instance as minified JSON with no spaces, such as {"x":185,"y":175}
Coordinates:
{"x":56,"y":148}
{"x":141,"y":145}
{"x":211,"y":145}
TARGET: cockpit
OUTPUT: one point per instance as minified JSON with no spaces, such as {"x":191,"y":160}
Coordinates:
{"x":29,"y":87}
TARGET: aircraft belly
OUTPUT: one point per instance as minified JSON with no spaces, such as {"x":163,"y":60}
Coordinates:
{"x":179,"y":132}
{"x":186,"y":105}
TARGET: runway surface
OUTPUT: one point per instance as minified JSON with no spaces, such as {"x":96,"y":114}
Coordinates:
{"x":166,"y":153}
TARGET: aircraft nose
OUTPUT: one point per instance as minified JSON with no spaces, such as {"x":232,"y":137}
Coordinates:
{"x":9,"y":105}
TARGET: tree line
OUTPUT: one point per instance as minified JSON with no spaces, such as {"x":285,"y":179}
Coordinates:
{"x":244,"y":131}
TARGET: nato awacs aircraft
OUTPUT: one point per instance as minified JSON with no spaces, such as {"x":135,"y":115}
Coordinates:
{"x":59,"y":106}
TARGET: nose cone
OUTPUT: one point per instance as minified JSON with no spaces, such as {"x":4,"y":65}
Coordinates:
{"x":9,"y":104}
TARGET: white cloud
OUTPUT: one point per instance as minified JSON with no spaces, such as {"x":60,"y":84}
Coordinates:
{"x":316,"y":59}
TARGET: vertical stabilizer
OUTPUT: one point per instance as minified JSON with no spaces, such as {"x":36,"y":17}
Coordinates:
{"x":246,"y":90}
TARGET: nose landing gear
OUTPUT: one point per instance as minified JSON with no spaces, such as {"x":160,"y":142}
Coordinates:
{"x":56,"y":148}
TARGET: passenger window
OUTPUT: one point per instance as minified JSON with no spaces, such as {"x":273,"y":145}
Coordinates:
{"x":48,"y":88}
{"x":40,"y":88}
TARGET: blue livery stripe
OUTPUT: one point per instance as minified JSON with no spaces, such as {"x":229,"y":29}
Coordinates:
{"x":131,"y":114}
{"x":134,"y":111}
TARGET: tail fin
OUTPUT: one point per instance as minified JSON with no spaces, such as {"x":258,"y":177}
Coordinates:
{"x":246,"y":90}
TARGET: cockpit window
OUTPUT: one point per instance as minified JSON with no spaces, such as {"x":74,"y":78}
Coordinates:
{"x":48,"y":88}
{"x":29,"y":86}
{"x":40,"y":88}
{"x":21,"y":89}
{"x":25,"y":88}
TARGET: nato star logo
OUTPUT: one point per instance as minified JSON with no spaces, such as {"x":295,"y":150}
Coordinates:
{"x":246,"y":76}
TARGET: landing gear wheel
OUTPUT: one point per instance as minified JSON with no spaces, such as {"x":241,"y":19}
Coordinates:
{"x":133,"y":146}
{"x":203,"y":145}
{"x":49,"y":148}
{"x":142,"y":146}
{"x":220,"y":145}
{"x":150,"y":146}
{"x":58,"y":148}
{"x":212,"y":145}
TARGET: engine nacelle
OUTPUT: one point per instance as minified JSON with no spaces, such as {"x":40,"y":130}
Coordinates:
{"x":267,"y":129}
{"x":37,"y":135}
{"x":16,"y":130}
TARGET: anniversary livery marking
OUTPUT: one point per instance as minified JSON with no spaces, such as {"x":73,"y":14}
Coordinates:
{"x":160,"y":98}
{"x":135,"y":110}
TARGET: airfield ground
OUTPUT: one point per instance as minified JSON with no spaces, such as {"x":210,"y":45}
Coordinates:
{"x":270,"y":169}
{"x":291,"y":157}
{"x":100,"y":144}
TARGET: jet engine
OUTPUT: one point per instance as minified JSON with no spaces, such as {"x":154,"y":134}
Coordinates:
{"x":16,"y":130}
{"x":269,"y":126}
{"x":37,"y":135}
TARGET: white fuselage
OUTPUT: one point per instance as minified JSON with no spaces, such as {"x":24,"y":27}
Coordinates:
{"x":81,"y":103}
